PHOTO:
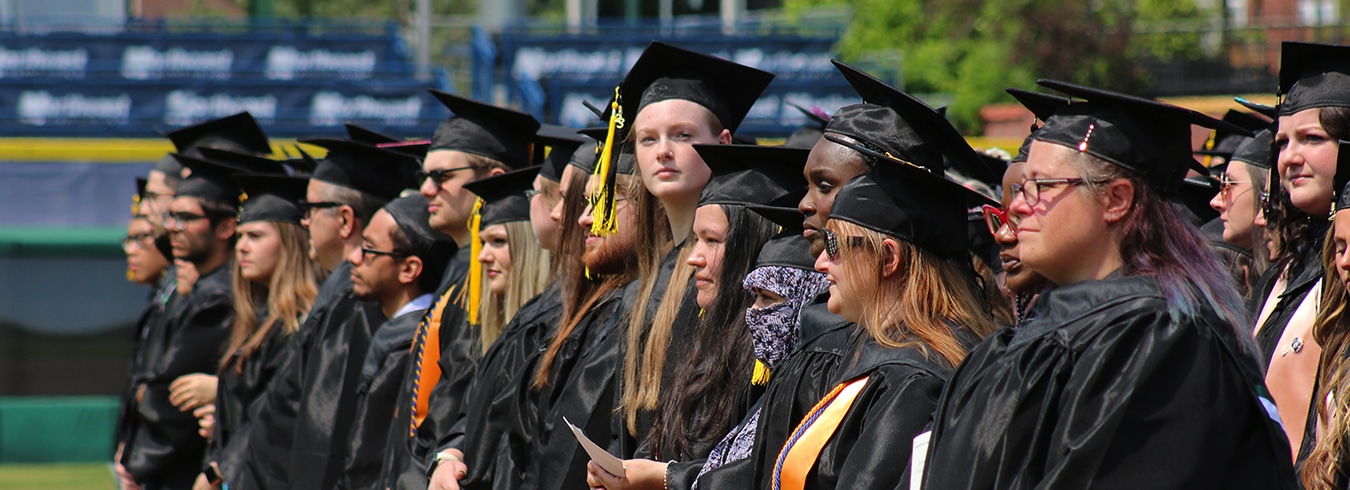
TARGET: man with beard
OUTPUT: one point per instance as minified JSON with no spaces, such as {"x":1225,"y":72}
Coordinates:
{"x":310,"y":403}
{"x":163,"y":449}
{"x":398,"y":265}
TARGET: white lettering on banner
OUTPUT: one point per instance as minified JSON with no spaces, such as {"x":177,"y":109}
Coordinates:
{"x":537,"y":63}
{"x":791,"y":64}
{"x":148,"y":63}
{"x":184,"y":107}
{"x":289,"y":63}
{"x":29,"y":62}
{"x":332,"y":109}
{"x":40,"y":108}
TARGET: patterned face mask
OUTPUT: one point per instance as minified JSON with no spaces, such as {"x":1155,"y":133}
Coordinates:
{"x":774,"y":328}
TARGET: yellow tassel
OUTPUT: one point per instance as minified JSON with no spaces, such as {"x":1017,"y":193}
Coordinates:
{"x":136,"y":205}
{"x":1209,"y":145}
{"x":475,"y":267}
{"x":761,"y":376}
{"x":604,"y":222}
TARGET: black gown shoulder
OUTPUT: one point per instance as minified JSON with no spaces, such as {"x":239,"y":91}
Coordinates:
{"x":1110,"y":387}
{"x":163,"y":447}
{"x":238,"y":396}
{"x":382,"y":372}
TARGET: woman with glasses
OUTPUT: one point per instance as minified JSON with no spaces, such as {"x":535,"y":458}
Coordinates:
{"x":1136,"y":372}
{"x":274,"y":285}
{"x":1238,"y":202}
{"x":1023,"y":283}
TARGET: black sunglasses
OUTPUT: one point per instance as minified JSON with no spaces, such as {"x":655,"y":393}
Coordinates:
{"x":438,"y":175}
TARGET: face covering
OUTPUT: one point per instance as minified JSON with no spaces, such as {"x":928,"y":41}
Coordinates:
{"x":774,"y":328}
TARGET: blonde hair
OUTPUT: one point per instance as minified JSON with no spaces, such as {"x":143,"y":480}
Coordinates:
{"x":920,"y":304}
{"x":289,"y":295}
{"x":527,"y":277}
{"x":1331,"y":329}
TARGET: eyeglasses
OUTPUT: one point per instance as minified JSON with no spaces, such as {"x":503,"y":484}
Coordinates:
{"x":1267,"y":206}
{"x":1030,"y":189}
{"x":1226,"y":186}
{"x":593,"y":200}
{"x":367,"y":253}
{"x":307,"y":207}
{"x":180,"y":218}
{"x":996,"y":219}
{"x":139,"y":240}
{"x":832,"y":242}
{"x":438,"y":175}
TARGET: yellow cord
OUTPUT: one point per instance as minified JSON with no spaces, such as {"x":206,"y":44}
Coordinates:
{"x":475,"y":267}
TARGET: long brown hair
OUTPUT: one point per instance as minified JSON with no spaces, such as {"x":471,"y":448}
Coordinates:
{"x":1331,"y":329}
{"x":920,"y":303}
{"x":289,"y":295}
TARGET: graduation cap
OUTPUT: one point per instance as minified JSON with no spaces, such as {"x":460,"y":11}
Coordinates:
{"x":368,"y":169}
{"x":272,"y":198}
{"x":895,"y":126}
{"x":361,"y":134}
{"x":486,"y":130}
{"x":809,"y":133}
{"x":411,"y":216}
{"x":249,"y":163}
{"x":1269,"y":111}
{"x":665,"y":72}
{"x":1041,"y":105}
{"x":562,"y":143}
{"x":303,"y":164}
{"x":1343,"y":203}
{"x":1257,"y":150}
{"x":1195,"y":194}
{"x":1313,"y":75}
{"x":1223,"y":143}
{"x":169,"y":166}
{"x":749,"y":174}
{"x":788,"y":248}
{"x":1144,"y":135}
{"x":1342,"y":169}
{"x":239,"y":132}
{"x":211,"y":181}
{"x":504,"y":196}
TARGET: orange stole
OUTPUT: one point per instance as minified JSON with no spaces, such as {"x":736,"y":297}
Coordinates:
{"x":808,"y":439}
{"x":426,"y":367}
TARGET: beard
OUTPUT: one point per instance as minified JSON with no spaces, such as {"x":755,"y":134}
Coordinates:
{"x":613,"y":255}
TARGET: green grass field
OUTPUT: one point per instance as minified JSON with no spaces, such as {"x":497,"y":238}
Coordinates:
{"x":68,"y":476}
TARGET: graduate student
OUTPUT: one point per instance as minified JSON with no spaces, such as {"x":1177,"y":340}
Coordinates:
{"x":671,"y":99}
{"x":309,"y":399}
{"x":398,"y":266}
{"x":1314,"y":113}
{"x":1136,"y":371}
{"x":274,"y":285}
{"x":898,"y":263}
{"x":1326,"y":465}
{"x":480,"y":140}
{"x":1243,"y":183}
{"x":515,"y":268}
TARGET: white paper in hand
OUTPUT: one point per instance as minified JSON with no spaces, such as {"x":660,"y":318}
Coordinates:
{"x":601,"y":457}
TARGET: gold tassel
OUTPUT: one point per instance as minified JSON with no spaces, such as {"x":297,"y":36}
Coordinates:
{"x":605,"y":223}
{"x":475,"y":267}
{"x":135,"y":204}
{"x":761,"y":376}
{"x":1209,"y":145}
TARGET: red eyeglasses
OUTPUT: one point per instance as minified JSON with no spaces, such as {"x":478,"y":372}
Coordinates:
{"x":996,"y":219}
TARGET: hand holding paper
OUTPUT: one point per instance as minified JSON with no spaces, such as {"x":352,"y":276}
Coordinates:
{"x":606,"y":461}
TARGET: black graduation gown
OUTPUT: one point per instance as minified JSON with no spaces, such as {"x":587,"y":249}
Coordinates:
{"x":270,"y":444}
{"x":237,"y":398}
{"x":164,"y":449}
{"x":583,"y":388}
{"x":461,"y":347}
{"x":795,"y":385}
{"x":145,"y":352}
{"x":385,"y":364}
{"x":491,"y":406}
{"x":1295,"y":291}
{"x":328,"y":399}
{"x":1106,"y":389}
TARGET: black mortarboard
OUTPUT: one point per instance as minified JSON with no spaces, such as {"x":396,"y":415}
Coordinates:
{"x":411,"y":216}
{"x":909,"y":203}
{"x":1143,"y":135}
{"x":1343,"y":203}
{"x":896,"y":126}
{"x":239,"y":132}
{"x":788,"y":248}
{"x":1223,"y":143}
{"x":361,"y":134}
{"x":272,"y":198}
{"x":504,"y":196}
{"x":1269,"y":111}
{"x":249,"y":163}
{"x":211,"y":181}
{"x":170,"y":167}
{"x":302,"y":164}
{"x":1256,"y":150}
{"x":139,"y":197}
{"x":486,"y":130}
{"x":749,"y":174}
{"x":664,"y":72}
{"x":1023,"y":151}
{"x":625,"y":159}
{"x":562,"y":143}
{"x":1313,"y":75}
{"x":1195,"y":194}
{"x":1041,"y":105}
{"x":809,"y":133}
{"x":1342,"y":169}
{"x":359,"y":166}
